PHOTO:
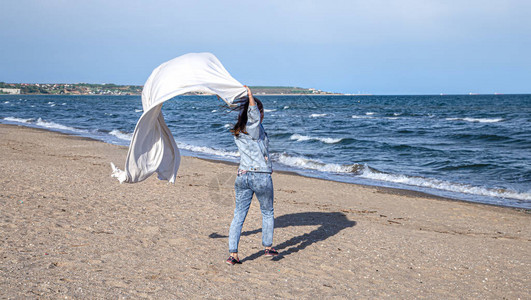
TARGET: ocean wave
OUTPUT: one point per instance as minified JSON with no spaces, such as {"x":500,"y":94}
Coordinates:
{"x":361,"y":117}
{"x":138,"y":110}
{"x":300,"y":138}
{"x":476,"y":166}
{"x":369,"y":173}
{"x":286,"y":107}
{"x":208,"y":150}
{"x":269,"y":110}
{"x":313,"y":164}
{"x":46,"y":124}
{"x":369,"y":113}
{"x":482,"y":137}
{"x":52,"y":125}
{"x":317,"y":115}
{"x":6,"y":102}
{"x":122,"y":135}
{"x":200,"y":149}
{"x":18,"y":120}
{"x":476,"y":120}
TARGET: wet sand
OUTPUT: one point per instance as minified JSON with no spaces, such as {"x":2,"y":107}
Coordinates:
{"x":70,"y":230}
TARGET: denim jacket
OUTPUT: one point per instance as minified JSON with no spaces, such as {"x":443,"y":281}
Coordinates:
{"x":254,"y":146}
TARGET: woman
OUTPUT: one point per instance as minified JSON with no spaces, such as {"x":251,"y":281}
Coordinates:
{"x":254,"y":175}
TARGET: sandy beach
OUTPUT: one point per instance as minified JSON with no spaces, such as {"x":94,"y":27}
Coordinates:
{"x":69,"y":230}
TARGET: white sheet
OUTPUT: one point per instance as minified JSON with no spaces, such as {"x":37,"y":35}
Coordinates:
{"x":153,"y":147}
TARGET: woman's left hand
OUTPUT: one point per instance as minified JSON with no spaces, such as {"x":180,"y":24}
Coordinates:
{"x":250,"y":95}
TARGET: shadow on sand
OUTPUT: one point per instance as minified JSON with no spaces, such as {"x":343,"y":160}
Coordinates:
{"x":330,"y":223}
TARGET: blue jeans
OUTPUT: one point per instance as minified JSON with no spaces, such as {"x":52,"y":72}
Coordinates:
{"x":245,"y":186}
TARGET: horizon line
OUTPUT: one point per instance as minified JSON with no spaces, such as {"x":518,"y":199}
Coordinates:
{"x":292,"y":86}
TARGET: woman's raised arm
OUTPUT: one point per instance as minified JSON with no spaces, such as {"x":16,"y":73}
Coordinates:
{"x":250,"y":95}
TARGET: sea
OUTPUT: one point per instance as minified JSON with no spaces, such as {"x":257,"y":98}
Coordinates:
{"x":473,"y":148}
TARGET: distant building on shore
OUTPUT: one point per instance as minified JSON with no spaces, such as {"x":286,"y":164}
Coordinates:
{"x":10,"y":91}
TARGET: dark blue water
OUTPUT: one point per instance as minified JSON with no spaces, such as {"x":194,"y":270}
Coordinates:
{"x":467,"y":147}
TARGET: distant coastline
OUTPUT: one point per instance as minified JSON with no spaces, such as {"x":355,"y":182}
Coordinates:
{"x":119,"y":90}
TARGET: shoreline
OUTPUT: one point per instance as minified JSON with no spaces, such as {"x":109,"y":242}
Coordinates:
{"x":396,"y":190}
{"x":382,"y":189}
{"x":70,"y":230}
{"x":390,"y":190}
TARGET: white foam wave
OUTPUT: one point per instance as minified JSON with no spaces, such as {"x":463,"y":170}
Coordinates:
{"x":476,"y":120}
{"x":361,"y":117}
{"x":312,"y":164}
{"x":6,"y":102}
{"x":286,"y":107}
{"x":208,"y":150}
{"x":138,"y":110}
{"x":214,"y":110}
{"x":269,"y":110}
{"x":369,"y":113}
{"x":227,"y":125}
{"x":443,"y":185}
{"x":18,"y":120}
{"x":122,"y":135}
{"x":317,"y":115}
{"x":53,"y":125}
{"x":301,"y":138}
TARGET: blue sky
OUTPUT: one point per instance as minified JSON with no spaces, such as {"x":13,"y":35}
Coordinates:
{"x":376,"y":46}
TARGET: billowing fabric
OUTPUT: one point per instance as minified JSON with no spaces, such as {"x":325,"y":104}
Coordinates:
{"x":153,"y":147}
{"x":254,"y":146}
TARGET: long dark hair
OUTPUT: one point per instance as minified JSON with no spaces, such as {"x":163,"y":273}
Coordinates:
{"x":242,"y":107}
